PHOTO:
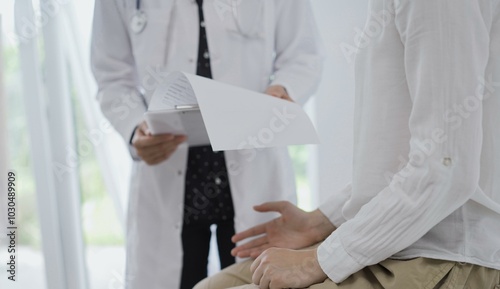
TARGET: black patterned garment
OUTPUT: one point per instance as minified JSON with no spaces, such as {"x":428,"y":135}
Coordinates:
{"x":207,"y":197}
{"x":207,"y":192}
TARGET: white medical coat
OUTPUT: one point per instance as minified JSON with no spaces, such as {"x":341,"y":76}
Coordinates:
{"x":253,"y":44}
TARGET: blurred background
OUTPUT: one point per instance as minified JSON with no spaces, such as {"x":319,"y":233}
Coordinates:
{"x":72,"y":191}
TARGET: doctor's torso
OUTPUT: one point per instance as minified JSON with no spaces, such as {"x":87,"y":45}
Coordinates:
{"x":240,"y":40}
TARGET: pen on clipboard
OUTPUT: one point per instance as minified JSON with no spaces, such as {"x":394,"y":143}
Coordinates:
{"x":187,"y":106}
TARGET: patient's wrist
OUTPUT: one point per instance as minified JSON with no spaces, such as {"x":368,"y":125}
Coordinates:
{"x":320,"y":225}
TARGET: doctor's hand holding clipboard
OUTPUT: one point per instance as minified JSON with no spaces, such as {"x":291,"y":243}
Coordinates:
{"x":155,"y":149}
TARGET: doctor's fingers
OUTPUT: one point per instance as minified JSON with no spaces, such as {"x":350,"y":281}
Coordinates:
{"x":172,"y":145}
{"x":284,"y":97}
{"x":143,"y":141}
{"x":143,"y":129}
{"x":154,"y":162}
{"x":159,"y":157}
{"x":151,"y":155}
{"x":279,"y":92}
{"x":150,"y":151}
{"x":157,"y":151}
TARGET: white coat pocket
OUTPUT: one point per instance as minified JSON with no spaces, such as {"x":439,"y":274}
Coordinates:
{"x":245,"y":18}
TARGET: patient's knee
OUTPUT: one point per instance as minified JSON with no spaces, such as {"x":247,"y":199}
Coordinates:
{"x":235,"y":275}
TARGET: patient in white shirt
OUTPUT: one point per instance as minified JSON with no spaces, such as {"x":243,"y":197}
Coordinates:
{"x":427,"y":93}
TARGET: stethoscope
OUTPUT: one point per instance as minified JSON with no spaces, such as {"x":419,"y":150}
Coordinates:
{"x":140,"y":19}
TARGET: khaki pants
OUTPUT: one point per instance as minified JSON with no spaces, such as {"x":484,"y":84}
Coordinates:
{"x":419,"y":273}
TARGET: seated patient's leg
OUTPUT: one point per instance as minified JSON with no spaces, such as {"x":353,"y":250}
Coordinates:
{"x":235,"y":275}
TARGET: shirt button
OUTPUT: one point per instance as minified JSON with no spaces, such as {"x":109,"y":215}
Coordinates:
{"x":191,"y":60}
{"x":447,"y":162}
{"x":179,"y":172}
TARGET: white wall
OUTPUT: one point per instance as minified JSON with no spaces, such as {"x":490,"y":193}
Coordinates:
{"x":333,"y":106}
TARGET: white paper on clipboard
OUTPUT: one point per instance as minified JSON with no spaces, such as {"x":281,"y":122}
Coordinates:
{"x":188,"y":122}
{"x":233,"y":118}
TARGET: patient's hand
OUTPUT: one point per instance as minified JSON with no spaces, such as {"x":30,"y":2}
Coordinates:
{"x":284,"y":268}
{"x":294,"y":229}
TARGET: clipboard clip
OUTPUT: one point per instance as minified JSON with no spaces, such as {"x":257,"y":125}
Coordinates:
{"x":187,"y":107}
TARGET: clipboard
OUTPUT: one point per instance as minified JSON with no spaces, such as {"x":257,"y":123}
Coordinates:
{"x":235,"y":118}
{"x":184,"y":120}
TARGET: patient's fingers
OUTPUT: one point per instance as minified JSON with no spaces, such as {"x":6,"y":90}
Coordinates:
{"x":252,"y":244}
{"x":256,"y":252}
{"x":253,"y":252}
{"x":254,"y":231}
{"x":279,"y":206}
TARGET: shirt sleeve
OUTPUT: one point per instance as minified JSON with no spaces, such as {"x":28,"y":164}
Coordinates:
{"x":446,"y":47}
{"x":113,"y":66}
{"x":299,"y":53}
{"x":332,"y":207}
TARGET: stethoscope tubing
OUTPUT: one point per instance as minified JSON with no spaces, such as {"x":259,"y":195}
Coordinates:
{"x":233,"y":8}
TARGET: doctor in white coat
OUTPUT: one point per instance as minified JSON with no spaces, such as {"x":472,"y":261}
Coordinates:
{"x":262,"y":45}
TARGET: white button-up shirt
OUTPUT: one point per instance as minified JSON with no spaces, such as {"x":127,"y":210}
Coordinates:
{"x":426,"y":176}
